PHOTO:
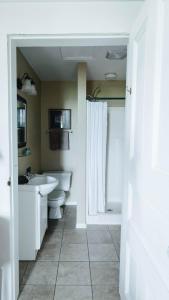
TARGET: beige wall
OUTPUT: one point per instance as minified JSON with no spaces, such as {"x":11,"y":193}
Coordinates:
{"x":33,"y":119}
{"x":81,"y":145}
{"x":109,"y":88}
{"x":63,"y":94}
{"x":59,"y":94}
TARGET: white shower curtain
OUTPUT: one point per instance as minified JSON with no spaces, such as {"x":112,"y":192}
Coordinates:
{"x":96,"y":156}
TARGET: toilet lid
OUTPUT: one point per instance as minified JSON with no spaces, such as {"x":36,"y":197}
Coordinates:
{"x":56,"y":195}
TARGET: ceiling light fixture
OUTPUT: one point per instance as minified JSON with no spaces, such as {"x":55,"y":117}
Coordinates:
{"x":117,"y":54}
{"x":27,"y":85}
{"x":110,"y":76}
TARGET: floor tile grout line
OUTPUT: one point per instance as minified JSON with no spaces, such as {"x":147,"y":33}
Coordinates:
{"x":31,"y":284}
{"x":89,"y":265}
{"x":20,"y":281}
{"x":116,"y":251}
{"x":64,"y":211}
{"x":58,"y":263}
{"x":100,"y":284}
{"x":85,"y":261}
{"x":62,"y":230}
{"x":52,"y":285}
{"x":115,"y":246}
{"x":114,"y":243}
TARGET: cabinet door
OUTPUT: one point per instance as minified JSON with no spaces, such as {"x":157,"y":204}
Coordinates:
{"x":43,"y":216}
{"x":41,"y":221}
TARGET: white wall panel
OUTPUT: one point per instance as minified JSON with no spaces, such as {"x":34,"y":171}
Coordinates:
{"x":115,"y":155}
{"x":44,"y":19}
{"x":147,"y":235}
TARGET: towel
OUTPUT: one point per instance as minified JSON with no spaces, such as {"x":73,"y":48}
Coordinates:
{"x":59,"y":139}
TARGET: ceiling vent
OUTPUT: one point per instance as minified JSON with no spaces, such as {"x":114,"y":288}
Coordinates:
{"x":77,"y":53}
{"x":117,"y":53}
{"x":110,"y":76}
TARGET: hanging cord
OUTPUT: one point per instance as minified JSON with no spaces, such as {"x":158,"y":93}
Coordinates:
{"x":94,"y":94}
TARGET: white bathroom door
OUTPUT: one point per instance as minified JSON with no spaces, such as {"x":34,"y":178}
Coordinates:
{"x":144,"y":273}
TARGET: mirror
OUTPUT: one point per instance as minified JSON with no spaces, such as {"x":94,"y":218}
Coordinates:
{"x":21,"y":121}
{"x":60,"y":119}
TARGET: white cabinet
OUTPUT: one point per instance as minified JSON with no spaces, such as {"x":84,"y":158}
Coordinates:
{"x":32,"y":223}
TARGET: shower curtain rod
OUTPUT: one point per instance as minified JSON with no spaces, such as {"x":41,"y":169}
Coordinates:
{"x":95,"y":99}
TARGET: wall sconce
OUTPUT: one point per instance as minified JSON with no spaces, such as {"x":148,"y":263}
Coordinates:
{"x":25,"y":152}
{"x":26,"y":85}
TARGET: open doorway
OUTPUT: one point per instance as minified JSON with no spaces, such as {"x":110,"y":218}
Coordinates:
{"x":63,"y":91}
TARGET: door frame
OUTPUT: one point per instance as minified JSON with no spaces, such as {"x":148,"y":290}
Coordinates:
{"x":15,"y":41}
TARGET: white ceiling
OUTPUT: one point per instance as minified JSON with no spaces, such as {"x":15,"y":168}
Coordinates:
{"x":66,"y":0}
{"x":60,"y":63}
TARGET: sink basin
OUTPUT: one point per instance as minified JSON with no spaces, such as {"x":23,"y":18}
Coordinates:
{"x":42,"y":183}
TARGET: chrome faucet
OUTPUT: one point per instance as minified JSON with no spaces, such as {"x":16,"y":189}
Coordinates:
{"x":28,"y":173}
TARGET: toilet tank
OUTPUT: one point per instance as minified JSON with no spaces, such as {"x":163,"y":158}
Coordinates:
{"x":64,"y":179}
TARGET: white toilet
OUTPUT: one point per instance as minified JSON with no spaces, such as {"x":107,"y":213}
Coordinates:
{"x":58,"y":196}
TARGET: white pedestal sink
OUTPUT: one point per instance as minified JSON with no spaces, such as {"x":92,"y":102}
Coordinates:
{"x":42,"y":183}
{"x":33,"y":214}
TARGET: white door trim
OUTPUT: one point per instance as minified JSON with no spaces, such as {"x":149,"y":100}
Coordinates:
{"x":15,"y":41}
{"x":13,"y":169}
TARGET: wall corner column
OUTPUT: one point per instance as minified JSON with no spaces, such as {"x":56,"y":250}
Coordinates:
{"x":81,"y":149}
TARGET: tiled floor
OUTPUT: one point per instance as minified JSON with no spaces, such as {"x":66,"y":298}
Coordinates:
{"x":74,"y":264}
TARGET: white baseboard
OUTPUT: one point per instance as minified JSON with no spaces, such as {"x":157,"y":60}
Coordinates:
{"x":105,"y":219}
{"x":123,"y":296}
{"x":71,"y":203}
{"x":81,"y":225}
